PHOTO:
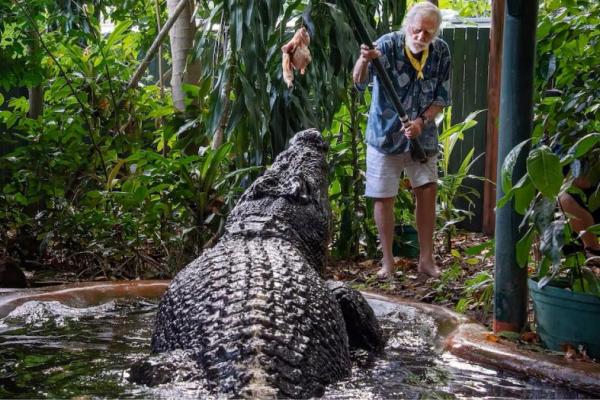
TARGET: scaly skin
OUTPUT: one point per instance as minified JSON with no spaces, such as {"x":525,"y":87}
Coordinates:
{"x":252,"y":312}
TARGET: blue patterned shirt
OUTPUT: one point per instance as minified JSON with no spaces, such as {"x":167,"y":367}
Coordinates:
{"x":384,"y":129}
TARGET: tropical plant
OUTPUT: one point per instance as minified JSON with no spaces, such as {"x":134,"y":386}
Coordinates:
{"x":353,"y":220}
{"x":451,"y":187}
{"x":565,"y":133}
{"x":95,"y":180}
{"x":119,"y":180}
{"x":479,"y":289}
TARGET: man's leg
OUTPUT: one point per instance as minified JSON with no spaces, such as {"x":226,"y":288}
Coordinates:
{"x":383,"y":176}
{"x":425,"y":218}
{"x":580,"y":220}
{"x":384,"y":219}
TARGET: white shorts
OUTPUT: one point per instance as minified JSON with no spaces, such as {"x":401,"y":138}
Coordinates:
{"x":384,"y":170}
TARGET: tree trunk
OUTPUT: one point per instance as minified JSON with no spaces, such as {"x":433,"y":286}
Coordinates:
{"x":36,"y":93}
{"x":182,"y":40}
{"x":219,"y":135}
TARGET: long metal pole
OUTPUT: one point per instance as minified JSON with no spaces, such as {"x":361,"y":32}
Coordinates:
{"x":516,"y":116}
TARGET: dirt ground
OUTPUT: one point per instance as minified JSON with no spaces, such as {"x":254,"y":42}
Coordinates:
{"x":466,"y":280}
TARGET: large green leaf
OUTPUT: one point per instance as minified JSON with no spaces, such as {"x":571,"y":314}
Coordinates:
{"x":117,"y":34}
{"x":585,"y":144}
{"x":508,"y":165}
{"x":545,"y":172}
{"x":524,"y":193}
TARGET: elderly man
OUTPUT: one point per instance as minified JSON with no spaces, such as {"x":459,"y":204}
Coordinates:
{"x":418,"y":63}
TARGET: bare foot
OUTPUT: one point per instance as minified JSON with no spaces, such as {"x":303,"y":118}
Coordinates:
{"x":429,"y":268}
{"x":385,"y":273}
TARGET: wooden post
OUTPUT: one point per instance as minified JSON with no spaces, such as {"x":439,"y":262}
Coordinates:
{"x":491,"y":151}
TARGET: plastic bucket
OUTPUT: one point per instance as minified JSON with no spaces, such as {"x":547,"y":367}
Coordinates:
{"x":406,"y":241}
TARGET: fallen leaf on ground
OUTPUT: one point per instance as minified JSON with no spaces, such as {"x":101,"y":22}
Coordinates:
{"x":369,"y":263}
{"x":530,"y":337}
{"x":490,"y":337}
{"x":570,"y":352}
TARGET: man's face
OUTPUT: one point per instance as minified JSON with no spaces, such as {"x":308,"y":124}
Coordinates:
{"x":420,"y":33}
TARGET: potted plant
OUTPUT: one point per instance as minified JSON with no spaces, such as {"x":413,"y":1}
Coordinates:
{"x":564,"y":290}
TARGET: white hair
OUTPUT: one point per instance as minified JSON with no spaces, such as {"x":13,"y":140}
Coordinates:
{"x":423,"y":9}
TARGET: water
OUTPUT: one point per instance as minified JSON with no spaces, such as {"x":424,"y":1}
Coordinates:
{"x":48,"y":350}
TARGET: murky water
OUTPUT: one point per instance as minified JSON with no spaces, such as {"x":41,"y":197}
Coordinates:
{"x":48,"y":350}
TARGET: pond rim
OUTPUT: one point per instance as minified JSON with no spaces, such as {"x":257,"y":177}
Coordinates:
{"x":456,"y":334}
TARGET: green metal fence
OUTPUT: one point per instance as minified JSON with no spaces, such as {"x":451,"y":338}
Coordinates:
{"x":469,"y":48}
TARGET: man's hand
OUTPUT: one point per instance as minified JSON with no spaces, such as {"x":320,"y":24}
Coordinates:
{"x":414,"y":128}
{"x":367,"y":54}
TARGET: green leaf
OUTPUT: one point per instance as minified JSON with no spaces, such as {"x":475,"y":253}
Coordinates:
{"x":478,"y":249}
{"x":462,"y":305}
{"x":587,"y":283}
{"x":117,"y":34}
{"x":545,"y":172}
{"x":523,"y":247}
{"x":113,"y":173}
{"x":509,"y":335}
{"x":583,"y":145}
{"x":19,"y":198}
{"x":1,"y":99}
{"x":524,"y":193}
{"x":140,"y":194}
{"x":595,"y":229}
{"x":335,"y":188}
{"x":506,"y":172}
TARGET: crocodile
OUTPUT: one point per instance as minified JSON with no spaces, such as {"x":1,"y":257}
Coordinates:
{"x":252,"y":316}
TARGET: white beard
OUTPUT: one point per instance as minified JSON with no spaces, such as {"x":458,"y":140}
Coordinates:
{"x":415,"y":48}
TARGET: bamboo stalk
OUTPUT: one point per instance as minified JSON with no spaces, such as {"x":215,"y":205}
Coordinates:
{"x":161,"y":82}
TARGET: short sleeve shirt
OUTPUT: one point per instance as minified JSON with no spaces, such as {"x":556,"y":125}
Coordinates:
{"x":384,"y":129}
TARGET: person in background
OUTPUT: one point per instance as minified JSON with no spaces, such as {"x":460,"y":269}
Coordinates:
{"x":418,"y":63}
{"x":580,"y":217}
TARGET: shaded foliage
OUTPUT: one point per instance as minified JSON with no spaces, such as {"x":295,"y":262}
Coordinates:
{"x":566,"y":133}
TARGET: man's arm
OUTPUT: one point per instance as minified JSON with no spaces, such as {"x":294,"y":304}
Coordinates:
{"x":431,"y":112}
{"x":360,"y":73}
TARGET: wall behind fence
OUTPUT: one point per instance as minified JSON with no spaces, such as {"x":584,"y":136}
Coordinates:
{"x":469,"y":48}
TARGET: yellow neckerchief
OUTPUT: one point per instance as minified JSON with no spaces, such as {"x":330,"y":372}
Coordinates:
{"x":418,"y":66}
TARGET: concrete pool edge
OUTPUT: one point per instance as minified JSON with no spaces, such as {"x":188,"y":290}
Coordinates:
{"x":83,"y":293}
{"x":457,"y":334}
{"x":468,"y":340}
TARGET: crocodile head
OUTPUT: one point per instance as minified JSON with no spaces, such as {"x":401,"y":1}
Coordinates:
{"x":290,"y":200}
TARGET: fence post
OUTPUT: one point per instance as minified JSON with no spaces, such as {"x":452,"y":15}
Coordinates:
{"x":491,"y":140}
